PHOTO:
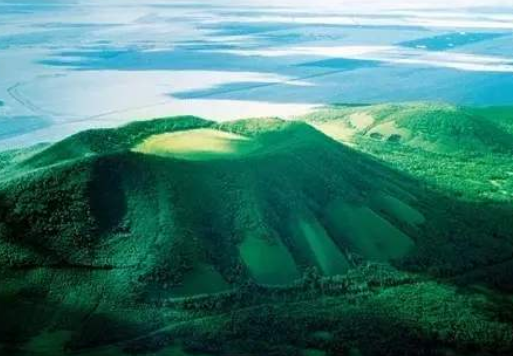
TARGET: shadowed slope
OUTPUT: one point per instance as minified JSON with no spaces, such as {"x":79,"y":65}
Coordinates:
{"x":192,"y":252}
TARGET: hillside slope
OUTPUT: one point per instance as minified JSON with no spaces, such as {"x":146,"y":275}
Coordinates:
{"x":183,"y":236}
{"x":250,"y":199}
{"x":461,"y":152}
{"x":439,"y":128}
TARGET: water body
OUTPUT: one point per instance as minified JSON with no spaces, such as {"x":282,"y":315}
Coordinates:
{"x":72,"y":65}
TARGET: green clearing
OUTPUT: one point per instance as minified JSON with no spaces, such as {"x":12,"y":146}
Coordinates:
{"x":49,"y":342}
{"x":269,"y":262}
{"x":198,"y":145}
{"x":327,"y":254}
{"x":398,"y":209}
{"x":203,"y":279}
{"x":369,"y":234}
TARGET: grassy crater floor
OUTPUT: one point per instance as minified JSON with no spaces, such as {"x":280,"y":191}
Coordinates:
{"x":198,"y":145}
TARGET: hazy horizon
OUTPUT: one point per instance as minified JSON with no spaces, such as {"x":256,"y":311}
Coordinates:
{"x":72,"y":65}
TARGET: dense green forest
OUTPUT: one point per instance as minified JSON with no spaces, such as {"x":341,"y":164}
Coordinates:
{"x":356,"y":230}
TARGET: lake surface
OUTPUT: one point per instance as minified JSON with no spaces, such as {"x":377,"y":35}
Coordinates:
{"x":70,"y":65}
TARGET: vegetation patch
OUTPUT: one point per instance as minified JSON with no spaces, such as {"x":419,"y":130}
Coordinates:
{"x":368,"y":233}
{"x":327,"y":254}
{"x":398,"y":209}
{"x":198,"y":145}
{"x":269,"y":262}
